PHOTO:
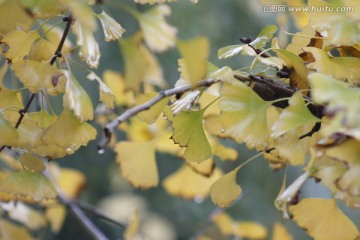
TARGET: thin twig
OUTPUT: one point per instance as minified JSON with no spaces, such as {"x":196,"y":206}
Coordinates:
{"x":109,"y":128}
{"x":85,"y":222}
{"x":57,"y":54}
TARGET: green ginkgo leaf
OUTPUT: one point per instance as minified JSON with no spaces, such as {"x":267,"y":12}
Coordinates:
{"x":152,"y":114}
{"x":294,"y":116}
{"x":244,"y":114}
{"x":265,"y":35}
{"x":32,"y":163}
{"x":225,"y":190}
{"x":189,"y":133}
{"x":28,"y":186}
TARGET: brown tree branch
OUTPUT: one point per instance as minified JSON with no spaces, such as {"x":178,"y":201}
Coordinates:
{"x":57,"y":54}
{"x":109,"y":128}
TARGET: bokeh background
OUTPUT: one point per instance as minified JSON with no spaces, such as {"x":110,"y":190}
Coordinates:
{"x":164,"y":216}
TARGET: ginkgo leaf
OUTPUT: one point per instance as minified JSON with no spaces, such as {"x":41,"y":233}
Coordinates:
{"x":343,"y":68}
{"x":42,"y":50}
{"x":53,"y":35}
{"x":188,"y":184}
{"x":11,"y":230}
{"x":14,"y":16}
{"x":9,"y":135}
{"x":106,"y":95}
{"x":77,"y":133}
{"x":76,"y":98}
{"x":225,"y":190}
{"x":42,"y":118}
{"x":31,"y":218}
{"x":224,"y":152}
{"x":323,"y":220}
{"x":28,"y":186}
{"x":71,"y":182}
{"x":230,"y":51}
{"x":141,"y":66}
{"x":82,"y":12}
{"x":37,"y":75}
{"x":10,"y":99}
{"x":32,"y":163}
{"x":193,"y":65}
{"x":55,"y":214}
{"x":205,"y":168}
{"x":152,"y":114}
{"x":280,"y":232}
{"x":224,"y":222}
{"x":116,"y":84}
{"x":89,"y":47}
{"x":43,"y":8}
{"x":132,"y":227}
{"x":298,"y":75}
{"x":112,"y":29}
{"x":189,"y":133}
{"x":250,"y":230}
{"x":137,"y":163}
{"x":265,"y":36}
{"x":338,"y":28}
{"x":158,"y":34}
{"x":19,"y":44}
{"x":244,"y":114}
{"x":294,"y":116}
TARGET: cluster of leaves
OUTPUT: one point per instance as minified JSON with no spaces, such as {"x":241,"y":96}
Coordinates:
{"x":298,"y":106}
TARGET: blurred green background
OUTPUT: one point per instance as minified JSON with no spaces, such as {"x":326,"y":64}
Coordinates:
{"x":223,"y":22}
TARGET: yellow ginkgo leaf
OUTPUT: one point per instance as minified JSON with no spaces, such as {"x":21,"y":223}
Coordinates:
{"x":294,"y":116}
{"x":89,"y":47}
{"x":10,"y":99}
{"x":244,"y":115}
{"x":32,"y":163}
{"x":14,"y":16}
{"x":250,"y":230}
{"x":106,"y":95}
{"x":28,"y":186}
{"x":71,"y":182}
{"x":76,"y":99}
{"x":82,"y":12}
{"x":56,"y":215}
{"x":158,"y":34}
{"x":189,"y":133}
{"x":338,"y":28}
{"x":42,"y":50}
{"x":37,"y":75}
{"x":343,"y":68}
{"x":112,"y":29}
{"x":193,"y":65}
{"x":224,"y":152}
{"x":302,"y":39}
{"x":9,"y":135}
{"x":224,"y":222}
{"x":53,"y":35}
{"x":10,"y":230}
{"x":299,"y":72}
{"x":188,"y":184}
{"x":19,"y":44}
{"x":141,"y":65}
{"x":132,"y":227}
{"x":137,"y":163}
{"x":225,"y":190}
{"x":205,"y":168}
{"x":68,"y":133}
{"x":43,"y":9}
{"x":116,"y":84}
{"x":280,"y":232}
{"x":323,"y":220}
{"x":152,"y":114}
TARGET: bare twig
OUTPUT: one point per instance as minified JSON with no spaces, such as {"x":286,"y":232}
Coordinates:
{"x":85,"y":222}
{"x":109,"y":128}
